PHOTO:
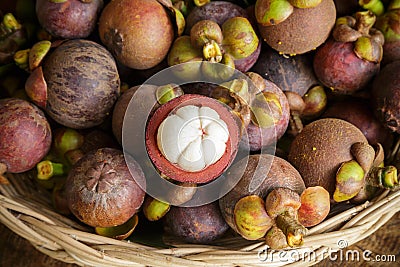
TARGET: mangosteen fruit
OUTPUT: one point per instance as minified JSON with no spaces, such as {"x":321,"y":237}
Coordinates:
{"x":217,"y":11}
{"x":359,"y":112}
{"x":103,"y":188}
{"x":321,"y":147}
{"x":259,"y":174}
{"x":349,"y":60}
{"x":290,"y":27}
{"x":270,"y":114}
{"x":149,"y":96}
{"x":346,"y":7}
{"x":234,"y":44}
{"x":386,"y":23}
{"x":138,"y":33}
{"x":25,"y":135}
{"x":68,"y":19}
{"x":385,"y":95}
{"x":81,"y":83}
{"x":192,"y":138}
{"x":294,"y":74}
{"x":200,"y":225}
{"x":335,"y":154}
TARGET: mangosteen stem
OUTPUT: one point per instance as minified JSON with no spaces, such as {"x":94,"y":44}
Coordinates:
{"x":292,"y":228}
{"x":383,"y":177}
{"x":296,"y":124}
{"x":72,"y":156}
{"x":364,"y":21}
{"x":3,"y":170}
{"x":47,"y":169}
{"x":212,"y":52}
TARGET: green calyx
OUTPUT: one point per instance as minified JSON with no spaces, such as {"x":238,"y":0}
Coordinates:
{"x":305,"y":3}
{"x":272,"y":12}
{"x":10,"y":22}
{"x":266,"y":109}
{"x":168,"y":92}
{"x":250,"y":217}
{"x":375,"y":6}
{"x":368,"y":41}
{"x":384,"y":177}
{"x":37,"y":53}
{"x":154,"y":209}
{"x":349,"y":180}
{"x":388,"y":24}
{"x":182,"y":51}
{"x":240,"y":40}
{"x":368,"y":49}
{"x":204,"y":32}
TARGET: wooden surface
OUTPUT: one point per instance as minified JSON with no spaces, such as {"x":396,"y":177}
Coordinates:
{"x":17,"y":252}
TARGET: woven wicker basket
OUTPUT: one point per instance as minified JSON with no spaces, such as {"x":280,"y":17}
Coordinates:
{"x":26,"y":209}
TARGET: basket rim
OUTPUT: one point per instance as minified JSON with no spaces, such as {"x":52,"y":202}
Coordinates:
{"x":63,"y":239}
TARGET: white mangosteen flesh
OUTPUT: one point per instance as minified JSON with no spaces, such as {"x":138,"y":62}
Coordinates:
{"x":193,"y":137}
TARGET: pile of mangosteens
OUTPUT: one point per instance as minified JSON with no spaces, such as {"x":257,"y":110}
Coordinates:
{"x":266,"y":115}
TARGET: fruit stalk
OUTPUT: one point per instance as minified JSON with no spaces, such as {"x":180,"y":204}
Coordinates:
{"x":47,"y":169}
{"x":293,"y":230}
{"x":3,"y":170}
{"x":383,"y":177}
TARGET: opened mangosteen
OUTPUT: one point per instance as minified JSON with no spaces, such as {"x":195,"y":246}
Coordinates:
{"x":200,"y":225}
{"x":104,"y":188}
{"x":349,"y":60}
{"x":25,"y":135}
{"x":68,"y":19}
{"x":77,"y":84}
{"x":138,"y":33}
{"x":192,"y":138}
{"x":149,"y":96}
{"x":289,"y":26}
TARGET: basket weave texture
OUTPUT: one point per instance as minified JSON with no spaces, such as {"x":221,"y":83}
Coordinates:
{"x":26,"y":209}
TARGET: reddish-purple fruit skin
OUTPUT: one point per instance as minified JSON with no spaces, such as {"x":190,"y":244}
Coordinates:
{"x":71,"y":19}
{"x":202,"y":224}
{"x":339,"y":68}
{"x":82,"y":83}
{"x":360,"y":113}
{"x":391,"y":52}
{"x":102,"y":191}
{"x":293,"y":74}
{"x":386,"y":96}
{"x":218,"y":11}
{"x":25,"y":135}
{"x":245,"y":64}
{"x":258,"y":138}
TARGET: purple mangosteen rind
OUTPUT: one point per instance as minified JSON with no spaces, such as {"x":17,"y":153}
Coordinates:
{"x":25,"y":135}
